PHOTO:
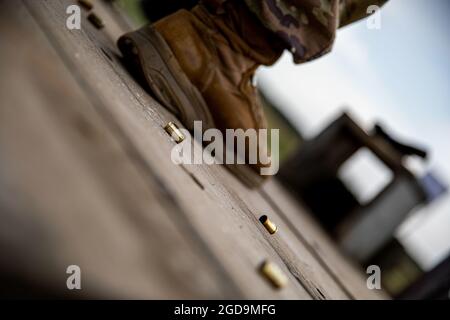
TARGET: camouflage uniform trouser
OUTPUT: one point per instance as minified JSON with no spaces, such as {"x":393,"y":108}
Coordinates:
{"x":305,"y":27}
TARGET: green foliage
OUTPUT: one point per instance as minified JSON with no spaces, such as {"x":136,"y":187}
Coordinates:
{"x":134,"y":10}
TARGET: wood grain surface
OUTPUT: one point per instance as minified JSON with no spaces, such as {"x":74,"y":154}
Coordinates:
{"x":86,"y":179}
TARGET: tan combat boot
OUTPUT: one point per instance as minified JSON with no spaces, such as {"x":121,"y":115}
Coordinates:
{"x":201,"y":66}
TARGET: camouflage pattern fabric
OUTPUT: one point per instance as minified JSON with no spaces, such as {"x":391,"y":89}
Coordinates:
{"x":306,"y":27}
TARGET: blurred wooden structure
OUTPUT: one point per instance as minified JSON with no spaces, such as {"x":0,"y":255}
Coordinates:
{"x":360,"y":228}
{"x":85,"y":179}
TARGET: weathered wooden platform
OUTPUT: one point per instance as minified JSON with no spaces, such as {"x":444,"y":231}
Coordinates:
{"x":86,"y":179}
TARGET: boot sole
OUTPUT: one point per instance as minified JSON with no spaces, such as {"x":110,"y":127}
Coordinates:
{"x":170,"y":85}
{"x":166,"y":79}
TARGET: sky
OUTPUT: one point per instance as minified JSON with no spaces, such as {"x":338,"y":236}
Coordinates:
{"x":398,"y":75}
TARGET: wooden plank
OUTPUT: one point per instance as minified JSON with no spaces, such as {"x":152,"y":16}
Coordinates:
{"x":104,"y":167}
{"x":289,"y":258}
{"x":70,"y":193}
{"x":297,"y":257}
{"x":349,"y":277}
{"x":137,"y":121}
{"x":225,"y":192}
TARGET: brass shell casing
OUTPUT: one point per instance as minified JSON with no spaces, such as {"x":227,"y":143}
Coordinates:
{"x":87,"y":4}
{"x":274,"y":274}
{"x":95,"y":20}
{"x":172,"y":129}
{"x":268,"y":224}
